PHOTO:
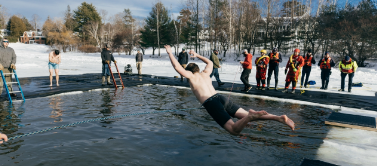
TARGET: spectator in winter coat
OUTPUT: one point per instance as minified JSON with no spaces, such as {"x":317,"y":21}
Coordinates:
{"x":139,"y":61}
{"x":247,"y":66}
{"x":183,"y":59}
{"x":309,"y":60}
{"x":7,"y":64}
{"x":275,"y":59}
{"x":106,"y":57}
{"x":325,"y":64}
{"x":347,"y":67}
{"x":216,"y":66}
{"x":294,"y":65}
{"x":262,"y":63}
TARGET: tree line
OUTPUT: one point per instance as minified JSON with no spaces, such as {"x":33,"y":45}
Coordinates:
{"x":227,"y":25}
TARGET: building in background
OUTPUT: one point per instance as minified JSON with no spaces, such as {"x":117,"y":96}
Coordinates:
{"x":4,"y":33}
{"x":31,"y":37}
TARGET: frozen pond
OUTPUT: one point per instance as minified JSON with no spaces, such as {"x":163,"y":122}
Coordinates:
{"x":177,"y":138}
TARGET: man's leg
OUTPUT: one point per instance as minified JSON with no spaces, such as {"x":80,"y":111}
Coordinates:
{"x":241,"y":113}
{"x":247,"y":77}
{"x":103,"y":75}
{"x":235,"y":128}
{"x":350,"y":78}
{"x":309,"y":70}
{"x":323,"y":79}
{"x":51,"y":71}
{"x":57,"y":76}
{"x":269,"y":77}
{"x":1,"y":85}
{"x":217,"y":76}
{"x":343,"y":80}
{"x":243,"y":77}
{"x":303,"y":76}
{"x":276,"y":72}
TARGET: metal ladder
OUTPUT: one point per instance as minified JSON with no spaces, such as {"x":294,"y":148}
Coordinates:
{"x":6,"y":84}
{"x":114,"y":79}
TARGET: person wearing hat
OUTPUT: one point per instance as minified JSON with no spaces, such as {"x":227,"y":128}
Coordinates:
{"x":216,"y":66}
{"x":247,"y":66}
{"x":309,"y":60}
{"x":139,"y":61}
{"x":183,"y":59}
{"x":53,"y":64}
{"x":347,"y":67}
{"x":275,"y":59}
{"x":294,"y":65}
{"x":7,"y":64}
{"x":106,"y":57}
{"x":325,"y":65}
{"x":262,"y":63}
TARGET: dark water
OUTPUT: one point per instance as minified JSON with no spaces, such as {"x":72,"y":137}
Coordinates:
{"x":178,"y":138}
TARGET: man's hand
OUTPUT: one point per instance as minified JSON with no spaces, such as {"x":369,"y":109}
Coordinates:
{"x":219,"y":66}
{"x":107,"y":61}
{"x":1,"y":67}
{"x":168,"y":49}
{"x":274,"y":58}
{"x":241,"y":62}
{"x":3,"y":137}
{"x":12,"y":66}
{"x":193,"y":53}
{"x":115,"y":61}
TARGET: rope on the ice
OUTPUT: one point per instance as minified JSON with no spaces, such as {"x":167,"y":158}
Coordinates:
{"x":97,"y":119}
{"x":239,"y":70}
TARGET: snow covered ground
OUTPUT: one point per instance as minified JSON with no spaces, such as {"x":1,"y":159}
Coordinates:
{"x":344,"y":146}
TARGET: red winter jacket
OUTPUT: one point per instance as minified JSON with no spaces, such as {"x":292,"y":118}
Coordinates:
{"x":247,"y":64}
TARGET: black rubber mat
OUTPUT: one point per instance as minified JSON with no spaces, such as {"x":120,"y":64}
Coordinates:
{"x":353,"y":119}
{"x":308,"y":162}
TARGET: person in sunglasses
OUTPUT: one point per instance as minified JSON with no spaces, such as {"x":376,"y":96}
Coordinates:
{"x":7,"y":64}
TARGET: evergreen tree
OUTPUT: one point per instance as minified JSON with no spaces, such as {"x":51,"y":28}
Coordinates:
{"x":27,"y":24}
{"x":149,"y":36}
{"x":68,"y":19}
{"x":16,"y":26}
{"x":84,"y":16}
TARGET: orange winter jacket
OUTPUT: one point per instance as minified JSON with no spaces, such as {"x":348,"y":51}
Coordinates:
{"x":247,"y":64}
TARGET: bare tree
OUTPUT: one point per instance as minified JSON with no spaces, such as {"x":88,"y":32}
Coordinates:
{"x":35,"y":21}
{"x":92,"y":28}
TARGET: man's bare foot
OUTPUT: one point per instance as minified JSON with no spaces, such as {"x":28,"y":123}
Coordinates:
{"x":253,"y":115}
{"x":284,"y":119}
{"x":57,"y":84}
{"x":50,"y":85}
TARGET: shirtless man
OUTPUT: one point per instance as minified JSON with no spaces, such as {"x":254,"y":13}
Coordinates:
{"x":219,"y":107}
{"x":53,"y":64}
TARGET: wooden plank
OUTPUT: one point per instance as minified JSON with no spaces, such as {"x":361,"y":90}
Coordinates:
{"x":350,"y":126}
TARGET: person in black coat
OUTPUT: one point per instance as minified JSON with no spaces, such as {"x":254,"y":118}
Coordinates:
{"x":183,"y":59}
{"x":309,"y":60}
{"x":326,"y":64}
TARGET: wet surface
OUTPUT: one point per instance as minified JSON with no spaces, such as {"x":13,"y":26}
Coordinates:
{"x":38,"y":87}
{"x":178,"y":138}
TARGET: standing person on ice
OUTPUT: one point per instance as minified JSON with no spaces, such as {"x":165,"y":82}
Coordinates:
{"x":216,"y":66}
{"x":275,"y":59}
{"x":183,"y":59}
{"x":325,"y":64}
{"x":106,"y":57}
{"x":294,"y":65}
{"x":139,"y":61}
{"x":54,"y":60}
{"x":309,"y":60}
{"x":247,"y":66}
{"x":219,"y":107}
{"x":262,"y":63}
{"x":7,"y":64}
{"x":347,"y":67}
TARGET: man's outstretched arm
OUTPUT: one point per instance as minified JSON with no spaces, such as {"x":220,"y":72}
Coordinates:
{"x":208,"y":69}
{"x":176,"y":64}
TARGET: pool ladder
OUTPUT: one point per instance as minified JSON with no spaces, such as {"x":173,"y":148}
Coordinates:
{"x":6,"y":84}
{"x":115,"y":79}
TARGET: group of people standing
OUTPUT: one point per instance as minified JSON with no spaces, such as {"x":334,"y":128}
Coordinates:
{"x":296,"y":65}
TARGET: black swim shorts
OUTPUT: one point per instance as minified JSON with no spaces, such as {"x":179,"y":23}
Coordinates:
{"x":220,"y":108}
